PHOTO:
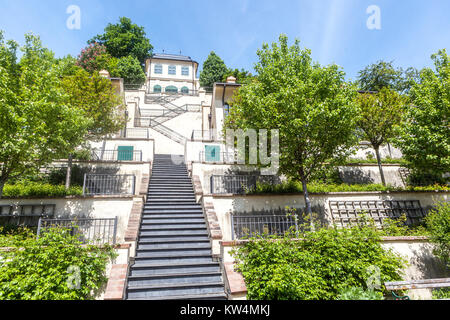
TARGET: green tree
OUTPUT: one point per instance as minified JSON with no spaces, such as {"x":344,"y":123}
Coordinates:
{"x":130,"y":70}
{"x":384,"y":75}
{"x":242,"y":76}
{"x":37,"y":123}
{"x":214,"y":70}
{"x":424,"y":139}
{"x":311,"y":105}
{"x":438,"y":222}
{"x":124,"y":39}
{"x":97,"y":99}
{"x":380,"y":115}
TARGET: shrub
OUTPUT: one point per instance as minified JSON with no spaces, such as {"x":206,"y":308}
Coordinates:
{"x":320,"y":187}
{"x":130,"y":69}
{"x":440,"y":294}
{"x":320,"y":266}
{"x":90,"y":58}
{"x":39,"y":190}
{"x":438,"y":223}
{"x":54,"y":267}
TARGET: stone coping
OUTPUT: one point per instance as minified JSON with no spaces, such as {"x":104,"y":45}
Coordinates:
{"x":128,"y":197}
{"x":234,"y":243}
{"x":344,"y":193}
{"x":104,"y":162}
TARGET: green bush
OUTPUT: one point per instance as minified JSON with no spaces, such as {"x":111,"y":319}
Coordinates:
{"x":439,"y":294}
{"x":320,"y":187}
{"x":318,"y":267}
{"x":359,"y":294}
{"x":54,"y":267}
{"x":39,"y":190}
{"x":438,"y":224}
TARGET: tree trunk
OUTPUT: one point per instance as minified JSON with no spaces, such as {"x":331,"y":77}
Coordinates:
{"x":308,"y":203}
{"x":380,"y":166}
{"x":69,"y":172}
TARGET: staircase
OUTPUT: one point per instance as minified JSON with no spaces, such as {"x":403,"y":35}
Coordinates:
{"x":173,"y":255}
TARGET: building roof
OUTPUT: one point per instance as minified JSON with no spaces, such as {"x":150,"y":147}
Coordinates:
{"x":175,"y":57}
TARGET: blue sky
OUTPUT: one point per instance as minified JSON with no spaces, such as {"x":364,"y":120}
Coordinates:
{"x":335,"y":30}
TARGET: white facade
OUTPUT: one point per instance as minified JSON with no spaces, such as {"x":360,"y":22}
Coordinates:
{"x":169,"y":72}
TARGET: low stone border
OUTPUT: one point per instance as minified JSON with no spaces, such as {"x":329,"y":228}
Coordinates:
{"x":115,"y":289}
{"x":132,"y":232}
{"x":213,"y":222}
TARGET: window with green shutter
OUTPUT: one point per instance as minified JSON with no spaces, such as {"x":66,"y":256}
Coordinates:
{"x":125,"y":153}
{"x":212,"y":153}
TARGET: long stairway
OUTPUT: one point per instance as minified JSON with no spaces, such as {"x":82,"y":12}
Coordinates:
{"x":173,"y":257}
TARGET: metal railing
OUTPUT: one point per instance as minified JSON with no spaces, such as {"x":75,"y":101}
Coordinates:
{"x":88,"y":231}
{"x":116,"y":155}
{"x":131,"y":86}
{"x":238,"y":184}
{"x":263,"y":225}
{"x":206,"y":135}
{"x":135,"y":133}
{"x":219,"y":157}
{"x":104,"y":184}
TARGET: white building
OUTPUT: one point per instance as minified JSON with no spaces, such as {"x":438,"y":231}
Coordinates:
{"x":172,"y":74}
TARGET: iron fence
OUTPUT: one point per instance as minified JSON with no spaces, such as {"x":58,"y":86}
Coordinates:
{"x":349,"y":213}
{"x":117,"y":155}
{"x":104,"y":184}
{"x":206,"y":135}
{"x":25,"y":215}
{"x":238,"y":184}
{"x":218,"y":157}
{"x":135,"y":133}
{"x":244,"y":226}
{"x":88,"y":231}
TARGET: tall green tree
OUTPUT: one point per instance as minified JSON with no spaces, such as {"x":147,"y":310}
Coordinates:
{"x":424,"y":139}
{"x":130,"y":70}
{"x":380,"y":115}
{"x":214,"y":70}
{"x":242,"y":76}
{"x":97,"y":99}
{"x":125,"y":39}
{"x":37,"y":122}
{"x":383,"y":74}
{"x":311,"y":105}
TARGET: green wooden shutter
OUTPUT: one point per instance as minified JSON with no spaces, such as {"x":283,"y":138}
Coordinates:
{"x":212,"y":153}
{"x":125,"y":153}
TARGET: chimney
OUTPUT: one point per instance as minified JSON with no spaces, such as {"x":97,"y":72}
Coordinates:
{"x":104,"y":74}
{"x":231,"y":79}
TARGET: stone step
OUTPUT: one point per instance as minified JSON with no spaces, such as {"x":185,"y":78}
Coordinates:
{"x":175,"y":226}
{"x":179,"y":258}
{"x":199,"y":297}
{"x":175,"y":253}
{"x":174,"y":240}
{"x":176,"y":278}
{"x":187,"y":215}
{"x":170,"y":221}
{"x":148,"y":212}
{"x":180,"y":207}
{"x":175,"y":246}
{"x":158,"y":291}
{"x":172,"y":233}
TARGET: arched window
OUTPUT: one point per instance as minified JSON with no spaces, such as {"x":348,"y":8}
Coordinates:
{"x":171,"y":89}
{"x":157,"y":88}
{"x":185,"y":90}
